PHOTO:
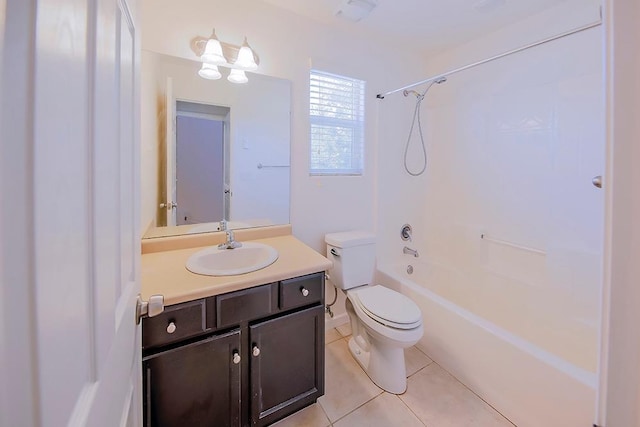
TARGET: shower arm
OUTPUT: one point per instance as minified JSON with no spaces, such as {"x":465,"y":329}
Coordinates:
{"x":493,"y":58}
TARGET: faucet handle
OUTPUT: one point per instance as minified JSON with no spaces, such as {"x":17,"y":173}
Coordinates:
{"x":222,"y":225}
{"x":405,"y":232}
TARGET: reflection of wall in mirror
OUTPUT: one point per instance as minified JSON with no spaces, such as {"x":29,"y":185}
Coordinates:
{"x":260,"y":133}
{"x":152,"y":142}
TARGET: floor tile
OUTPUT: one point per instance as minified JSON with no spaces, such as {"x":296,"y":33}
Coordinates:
{"x":386,"y":410}
{"x":415,"y":360}
{"x":311,"y":416}
{"x":438,"y":399}
{"x":346,"y":385}
{"x":331,"y":335}
{"x":344,"y":329}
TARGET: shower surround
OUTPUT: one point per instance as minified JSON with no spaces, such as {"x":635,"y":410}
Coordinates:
{"x":507,"y":222}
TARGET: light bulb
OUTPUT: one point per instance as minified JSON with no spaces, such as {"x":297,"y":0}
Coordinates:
{"x":209,"y":71}
{"x":245,"y":60}
{"x":213,"y":52}
{"x":237,"y":76}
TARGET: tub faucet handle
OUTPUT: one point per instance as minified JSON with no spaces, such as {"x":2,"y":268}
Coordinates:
{"x":405,"y":232}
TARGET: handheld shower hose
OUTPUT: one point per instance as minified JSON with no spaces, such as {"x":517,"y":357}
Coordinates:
{"x":416,"y":114}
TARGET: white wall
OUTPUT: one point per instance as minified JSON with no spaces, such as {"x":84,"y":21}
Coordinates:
{"x":287,"y":45}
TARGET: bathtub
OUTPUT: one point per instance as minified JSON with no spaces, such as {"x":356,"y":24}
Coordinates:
{"x":533,"y":362}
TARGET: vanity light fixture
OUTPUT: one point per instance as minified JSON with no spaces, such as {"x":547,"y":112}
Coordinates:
{"x":209,"y":71}
{"x":245,"y":60}
{"x":237,"y":76}
{"x":214,"y":53}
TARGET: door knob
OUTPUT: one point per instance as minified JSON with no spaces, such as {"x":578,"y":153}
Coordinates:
{"x":150,"y":308}
{"x":236,"y":358}
{"x":597,"y":181}
{"x":255,"y":351}
{"x":304,"y":292}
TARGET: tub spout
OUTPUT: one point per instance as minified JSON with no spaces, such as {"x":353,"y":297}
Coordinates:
{"x":408,"y":250}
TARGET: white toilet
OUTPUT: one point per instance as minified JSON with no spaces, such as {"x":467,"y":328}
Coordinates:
{"x":383,"y":322}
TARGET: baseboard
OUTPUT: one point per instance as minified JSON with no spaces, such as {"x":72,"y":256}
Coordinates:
{"x":335,"y":321}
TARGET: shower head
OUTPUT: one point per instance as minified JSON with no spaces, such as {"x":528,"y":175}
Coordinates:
{"x":420,"y":96}
{"x":409,"y":92}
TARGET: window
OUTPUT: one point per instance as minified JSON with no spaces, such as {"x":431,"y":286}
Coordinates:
{"x":336,"y":111}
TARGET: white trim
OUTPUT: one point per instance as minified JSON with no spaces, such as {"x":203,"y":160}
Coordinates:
{"x":19,"y":400}
{"x":605,"y":303}
{"x":335,"y":321}
{"x":619,"y":400}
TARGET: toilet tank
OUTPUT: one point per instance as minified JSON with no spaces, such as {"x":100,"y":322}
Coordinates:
{"x":353,"y":254}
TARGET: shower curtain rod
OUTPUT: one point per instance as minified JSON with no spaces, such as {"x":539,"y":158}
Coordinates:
{"x":493,"y":58}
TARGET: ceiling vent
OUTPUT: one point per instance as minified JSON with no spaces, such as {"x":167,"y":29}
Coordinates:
{"x":355,"y":10}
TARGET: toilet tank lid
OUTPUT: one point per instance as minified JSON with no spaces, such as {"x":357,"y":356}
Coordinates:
{"x":347,"y":239}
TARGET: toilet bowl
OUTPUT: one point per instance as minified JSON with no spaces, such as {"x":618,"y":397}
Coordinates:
{"x":383,"y":322}
{"x":377,"y":343}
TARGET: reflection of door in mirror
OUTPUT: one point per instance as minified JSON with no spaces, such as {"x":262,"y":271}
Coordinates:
{"x":200,"y":167}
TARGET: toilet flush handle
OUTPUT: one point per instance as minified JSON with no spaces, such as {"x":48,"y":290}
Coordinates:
{"x":335,"y":252}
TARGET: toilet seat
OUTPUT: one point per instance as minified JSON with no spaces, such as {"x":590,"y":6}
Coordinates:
{"x":387,"y":307}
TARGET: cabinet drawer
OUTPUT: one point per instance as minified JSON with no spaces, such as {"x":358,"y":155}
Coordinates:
{"x":176,"y":323}
{"x":248,"y":304}
{"x":301,"y":291}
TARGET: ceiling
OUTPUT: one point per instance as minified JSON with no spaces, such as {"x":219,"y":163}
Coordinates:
{"x":429,"y":25}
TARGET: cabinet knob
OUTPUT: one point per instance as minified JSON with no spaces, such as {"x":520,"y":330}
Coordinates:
{"x":255,"y":351}
{"x":305,"y":292}
{"x":171,"y":328}
{"x":236,"y":358}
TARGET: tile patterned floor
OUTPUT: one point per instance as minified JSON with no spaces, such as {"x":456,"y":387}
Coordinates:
{"x":434,"y":398}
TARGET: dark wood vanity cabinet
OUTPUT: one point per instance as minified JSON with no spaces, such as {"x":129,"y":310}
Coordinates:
{"x":245,"y":358}
{"x":197,"y":384}
{"x":287,"y":364}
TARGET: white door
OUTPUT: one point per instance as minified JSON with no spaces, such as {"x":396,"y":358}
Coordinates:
{"x":199,"y":169}
{"x":70,"y":246}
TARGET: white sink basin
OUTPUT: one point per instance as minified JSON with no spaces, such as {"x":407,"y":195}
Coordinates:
{"x":251,"y":256}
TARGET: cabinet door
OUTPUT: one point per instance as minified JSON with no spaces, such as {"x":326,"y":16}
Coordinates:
{"x":197,"y":384}
{"x":287,"y":364}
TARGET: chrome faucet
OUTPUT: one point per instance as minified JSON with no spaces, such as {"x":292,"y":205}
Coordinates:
{"x":230,"y":243}
{"x":409,"y":251}
{"x":222,"y":225}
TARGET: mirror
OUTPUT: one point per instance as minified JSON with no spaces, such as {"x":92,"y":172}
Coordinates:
{"x":223,"y":149}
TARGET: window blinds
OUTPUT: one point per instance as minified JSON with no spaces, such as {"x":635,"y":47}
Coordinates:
{"x":336,"y":111}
